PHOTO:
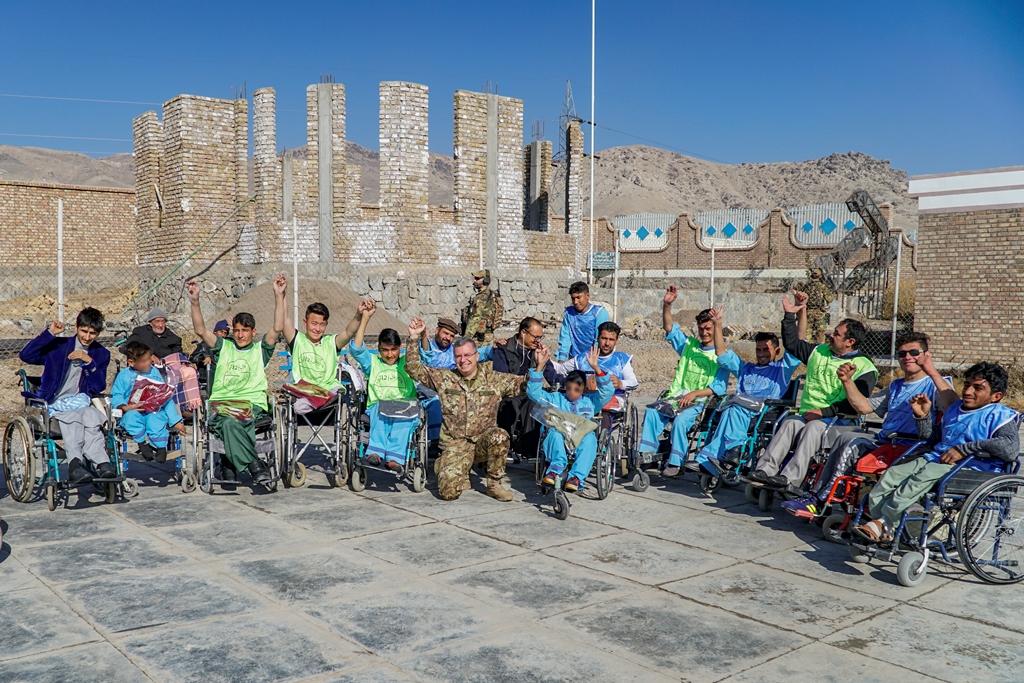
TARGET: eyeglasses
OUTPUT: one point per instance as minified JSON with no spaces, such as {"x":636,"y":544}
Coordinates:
{"x":534,"y":336}
{"x":913,"y":353}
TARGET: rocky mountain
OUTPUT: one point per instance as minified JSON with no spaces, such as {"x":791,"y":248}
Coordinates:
{"x":629,"y":179}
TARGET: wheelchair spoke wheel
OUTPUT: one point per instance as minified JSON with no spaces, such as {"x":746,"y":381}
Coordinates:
{"x":561,"y":505}
{"x":990,"y":531}
{"x":18,"y":460}
{"x":910,"y":571}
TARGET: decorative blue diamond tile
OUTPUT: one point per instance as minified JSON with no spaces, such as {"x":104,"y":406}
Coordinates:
{"x":711,"y":230}
{"x":626,"y":234}
{"x":807,"y":226}
{"x":658,"y":232}
{"x":642,"y":233}
{"x":729,"y":230}
{"x":828,"y":226}
{"x":748,"y":228}
{"x":849,"y":225}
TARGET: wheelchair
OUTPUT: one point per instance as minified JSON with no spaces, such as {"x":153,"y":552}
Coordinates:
{"x":355,"y":438}
{"x":970,"y":517}
{"x":696,"y":437}
{"x":209,"y":448}
{"x":32,"y":456}
{"x":328,"y":416}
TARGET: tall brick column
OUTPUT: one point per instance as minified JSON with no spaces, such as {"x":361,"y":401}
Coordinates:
{"x":404,"y":172}
{"x":325,"y":159}
{"x":265,"y":173}
{"x":148,"y":143}
{"x":573,"y":198}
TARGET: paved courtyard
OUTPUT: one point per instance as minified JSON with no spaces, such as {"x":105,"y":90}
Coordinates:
{"x":321,"y":584}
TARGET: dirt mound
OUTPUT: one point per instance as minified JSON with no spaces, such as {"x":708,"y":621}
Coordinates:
{"x":341,"y":301}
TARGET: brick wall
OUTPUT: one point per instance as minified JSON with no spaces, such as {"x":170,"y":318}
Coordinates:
{"x":969,"y":297}
{"x":99,"y":225}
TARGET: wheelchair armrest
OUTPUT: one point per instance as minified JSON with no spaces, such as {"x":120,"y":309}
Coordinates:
{"x":778,"y":402}
{"x":902,"y":436}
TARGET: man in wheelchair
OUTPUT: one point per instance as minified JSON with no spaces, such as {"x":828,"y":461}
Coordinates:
{"x":578,"y":402}
{"x":74,"y":372}
{"x":238,"y":397}
{"x":974,"y":425}
{"x":616,"y":364}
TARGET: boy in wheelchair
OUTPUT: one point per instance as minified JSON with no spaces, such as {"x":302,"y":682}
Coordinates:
{"x":74,"y":372}
{"x":148,"y":420}
{"x":238,"y":397}
{"x":578,"y":402}
{"x":390,"y":394}
{"x":974,"y":425}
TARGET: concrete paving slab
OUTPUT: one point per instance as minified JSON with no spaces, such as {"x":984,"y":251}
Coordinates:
{"x":831,"y":563}
{"x":969,"y":598}
{"x":314,"y":575}
{"x":428,"y":503}
{"x":723,"y":535}
{"x":131,"y":602}
{"x":531,"y":531}
{"x":432,"y":548}
{"x":244,"y":533}
{"x":356,"y":517}
{"x":400,"y":619}
{"x":87,"y":558}
{"x":14,"y":576}
{"x":947,"y":648}
{"x":29,"y":530}
{"x":536,"y":586}
{"x":538,"y":655}
{"x":275,"y":647}
{"x":792,"y":602}
{"x":640,"y":558}
{"x":629,"y":512}
{"x":91,"y":663}
{"x":175,"y":511}
{"x":36,"y":621}
{"x":675,"y":636}
{"x":826,"y":664}
{"x":370,"y":669}
{"x":291,"y":500}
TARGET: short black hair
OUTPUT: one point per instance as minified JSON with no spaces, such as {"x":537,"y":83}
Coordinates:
{"x":609,"y":326}
{"x":390,"y":337}
{"x":135,"y":350}
{"x":319,"y":309}
{"x":526,"y":323}
{"x":993,"y":373}
{"x":90,"y":317}
{"x":576,"y":377}
{"x":245,"y":320}
{"x":855,"y":330}
{"x":704,"y":316}
{"x":769,"y":337}
{"x":911,"y":337}
{"x":578,"y":287}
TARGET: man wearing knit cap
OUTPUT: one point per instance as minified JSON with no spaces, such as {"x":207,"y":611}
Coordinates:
{"x":437,"y":351}
{"x":155,"y":335}
{"x":484,"y":312}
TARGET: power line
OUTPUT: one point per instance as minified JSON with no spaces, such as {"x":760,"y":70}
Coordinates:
{"x":73,"y":99}
{"x":61,"y":137}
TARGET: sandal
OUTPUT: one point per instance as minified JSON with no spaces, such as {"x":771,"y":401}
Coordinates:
{"x":873,"y":531}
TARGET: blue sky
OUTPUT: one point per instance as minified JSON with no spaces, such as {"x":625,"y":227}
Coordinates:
{"x":933,"y":86}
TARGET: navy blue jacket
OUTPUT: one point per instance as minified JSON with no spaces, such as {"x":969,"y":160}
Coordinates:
{"x":52,"y":353}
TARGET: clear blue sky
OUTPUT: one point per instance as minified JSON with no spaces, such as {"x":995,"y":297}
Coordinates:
{"x":933,"y":85}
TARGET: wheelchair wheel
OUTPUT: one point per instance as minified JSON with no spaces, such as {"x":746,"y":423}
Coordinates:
{"x":986,"y":540}
{"x":297,"y":477}
{"x":357,"y":480}
{"x":605,"y":473}
{"x":111,"y":491}
{"x":910,"y":571}
{"x":751,"y":494}
{"x":709,"y":483}
{"x":419,"y":478}
{"x":130,"y":488}
{"x":205,"y":485}
{"x":561,"y":505}
{"x":338,"y":476}
{"x":51,"y":496}
{"x":730,"y":479}
{"x":19,"y":463}
{"x":188,"y":483}
{"x":641,"y":481}
{"x":834,"y":527}
{"x":765,"y":499}
{"x":858,"y":555}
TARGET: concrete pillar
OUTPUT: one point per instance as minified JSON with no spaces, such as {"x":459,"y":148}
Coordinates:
{"x":573,"y":197}
{"x":404,"y":168}
{"x":264,"y":136}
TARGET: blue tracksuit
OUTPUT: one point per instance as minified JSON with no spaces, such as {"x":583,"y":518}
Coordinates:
{"x":141,"y":425}
{"x":588,"y":405}
{"x":761,"y":382}
{"x":579,"y":330}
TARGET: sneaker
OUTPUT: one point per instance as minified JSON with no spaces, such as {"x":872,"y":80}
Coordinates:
{"x":373,"y":459}
{"x":778,"y":480}
{"x":259,"y":472}
{"x":105,"y":471}
{"x":731,"y":458}
{"x":572,"y":485}
{"x":78,"y":475}
{"x":394,"y":466}
{"x":549,"y":478}
{"x":670,"y":471}
{"x":759,"y":476}
{"x":806,"y":507}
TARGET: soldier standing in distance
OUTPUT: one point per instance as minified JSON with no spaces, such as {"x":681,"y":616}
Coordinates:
{"x":819,"y":296}
{"x":484,"y":312}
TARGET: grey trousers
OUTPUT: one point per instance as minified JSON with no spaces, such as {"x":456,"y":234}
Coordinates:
{"x":807,"y":436}
{"x":82,"y":434}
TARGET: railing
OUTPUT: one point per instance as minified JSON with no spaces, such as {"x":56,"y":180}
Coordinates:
{"x":730,"y":228}
{"x":822,"y":225}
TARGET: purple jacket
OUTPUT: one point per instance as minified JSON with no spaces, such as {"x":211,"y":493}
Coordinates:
{"x":52,"y":353}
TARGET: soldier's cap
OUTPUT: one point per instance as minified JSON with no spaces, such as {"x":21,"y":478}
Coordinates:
{"x":448,"y":324}
{"x":482,"y":273}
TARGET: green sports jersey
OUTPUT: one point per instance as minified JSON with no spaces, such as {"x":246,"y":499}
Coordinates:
{"x":696,"y":369}
{"x":388,"y":382}
{"x":822,"y":386}
{"x":315,"y":363}
{"x":241,"y":372}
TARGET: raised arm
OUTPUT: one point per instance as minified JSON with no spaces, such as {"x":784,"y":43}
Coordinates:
{"x":791,"y":339}
{"x":198,"y":324}
{"x":605,"y":388}
{"x":366,"y":310}
{"x":281,"y":320}
{"x":857,"y":400}
{"x":666,"y":308}
{"x":413,"y":365}
{"x":716,"y":317}
{"x":341,"y":340}
{"x":946,"y":395}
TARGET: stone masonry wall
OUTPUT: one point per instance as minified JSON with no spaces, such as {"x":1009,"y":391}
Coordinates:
{"x":148,"y":137}
{"x":404,"y":173}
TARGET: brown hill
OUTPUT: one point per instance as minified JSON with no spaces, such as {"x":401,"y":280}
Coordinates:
{"x":35,"y":164}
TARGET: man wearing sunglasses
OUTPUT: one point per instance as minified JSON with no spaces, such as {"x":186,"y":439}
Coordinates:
{"x":893,"y":404}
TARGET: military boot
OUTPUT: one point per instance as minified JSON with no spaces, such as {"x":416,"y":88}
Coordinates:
{"x":496,"y":490}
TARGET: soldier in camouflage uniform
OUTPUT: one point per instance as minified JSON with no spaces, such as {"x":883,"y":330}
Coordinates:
{"x":819,"y":296}
{"x":469,"y":397}
{"x":484,"y":312}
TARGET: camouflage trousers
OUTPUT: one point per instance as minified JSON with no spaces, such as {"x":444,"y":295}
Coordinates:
{"x":458,"y":456}
{"x":483,"y":338}
{"x":816,"y":323}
